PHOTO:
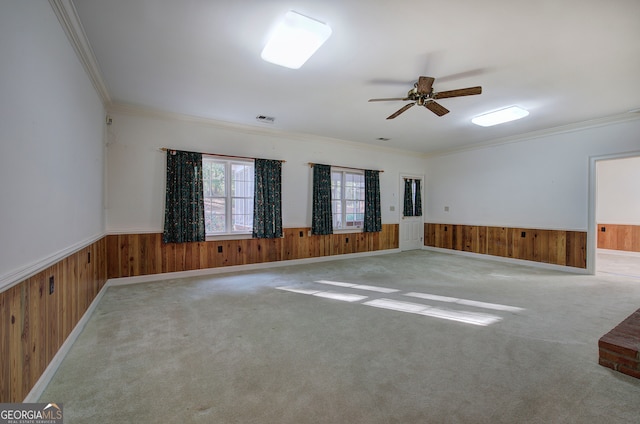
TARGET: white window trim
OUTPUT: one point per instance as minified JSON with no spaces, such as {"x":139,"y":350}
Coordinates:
{"x":351,"y":230}
{"x":229,"y":235}
{"x":234,"y":236}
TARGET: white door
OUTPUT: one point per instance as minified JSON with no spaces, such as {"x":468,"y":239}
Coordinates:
{"x":411,"y":227}
{"x":412,"y":233}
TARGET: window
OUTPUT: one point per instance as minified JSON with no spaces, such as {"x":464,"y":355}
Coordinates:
{"x":228,"y":196}
{"x":347,"y":199}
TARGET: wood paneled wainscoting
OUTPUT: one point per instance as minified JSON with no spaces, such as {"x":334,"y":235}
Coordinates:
{"x":619,"y":237}
{"x":130,"y":255}
{"x":558,"y":247}
{"x":35,"y":321}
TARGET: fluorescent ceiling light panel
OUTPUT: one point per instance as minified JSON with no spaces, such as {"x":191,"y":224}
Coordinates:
{"x":500,"y":116}
{"x":295,"y":40}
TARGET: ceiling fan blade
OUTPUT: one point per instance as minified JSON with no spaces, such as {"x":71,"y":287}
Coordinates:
{"x":387,"y":100}
{"x":436,"y":108}
{"x":389,"y":81}
{"x":425,"y":84}
{"x":460,"y":75}
{"x":458,"y":93}
{"x":401,"y":110}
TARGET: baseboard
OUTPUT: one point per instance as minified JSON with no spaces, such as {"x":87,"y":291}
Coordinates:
{"x":521,"y":262}
{"x":239,"y":268}
{"x":619,"y":252}
{"x":49,"y":372}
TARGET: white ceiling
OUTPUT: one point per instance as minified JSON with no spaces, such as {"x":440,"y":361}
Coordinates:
{"x":566,"y":61}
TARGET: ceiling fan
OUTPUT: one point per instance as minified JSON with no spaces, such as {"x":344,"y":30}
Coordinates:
{"x":422,"y":94}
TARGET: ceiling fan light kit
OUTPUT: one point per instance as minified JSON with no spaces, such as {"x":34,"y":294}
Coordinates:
{"x":501,"y":116}
{"x":422,"y":94}
{"x":295,"y":40}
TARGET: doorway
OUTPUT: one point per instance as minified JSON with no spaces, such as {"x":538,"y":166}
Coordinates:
{"x":614,"y":201}
{"x":411,"y":218}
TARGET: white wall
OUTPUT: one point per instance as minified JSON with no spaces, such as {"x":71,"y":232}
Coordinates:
{"x":618,"y":196}
{"x":51,"y":131}
{"x":136,"y":166}
{"x":538,"y":183}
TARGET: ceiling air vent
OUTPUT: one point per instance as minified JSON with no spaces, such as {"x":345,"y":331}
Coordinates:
{"x":265,"y":119}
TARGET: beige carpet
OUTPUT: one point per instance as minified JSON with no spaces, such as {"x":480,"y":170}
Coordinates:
{"x":413,"y":337}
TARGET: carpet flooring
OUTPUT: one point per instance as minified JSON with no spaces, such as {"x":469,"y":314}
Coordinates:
{"x":412,"y":337}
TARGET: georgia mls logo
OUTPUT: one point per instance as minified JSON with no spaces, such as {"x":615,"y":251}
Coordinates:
{"x":55,"y":411}
{"x":31,"y":413}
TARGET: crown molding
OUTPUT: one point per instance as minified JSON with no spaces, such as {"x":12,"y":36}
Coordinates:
{"x":70,"y":22}
{"x":144,"y":111}
{"x":629,"y":116}
{"x":135,"y":110}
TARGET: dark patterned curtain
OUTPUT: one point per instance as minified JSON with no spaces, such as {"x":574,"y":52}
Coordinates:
{"x":372,"y":213}
{"x":321,"y":221}
{"x":184,"y":207}
{"x":267,"y":199}
{"x":408,"y":198}
{"x":418,"y":206}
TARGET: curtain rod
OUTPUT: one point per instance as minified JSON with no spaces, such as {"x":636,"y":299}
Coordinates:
{"x":164,"y":149}
{"x":311,"y":164}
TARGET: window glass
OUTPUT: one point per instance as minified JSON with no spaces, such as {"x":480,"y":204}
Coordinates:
{"x":347,"y":199}
{"x":228,"y":196}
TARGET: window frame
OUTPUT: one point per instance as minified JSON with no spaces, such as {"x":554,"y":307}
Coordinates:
{"x":229,"y":197}
{"x":343,"y":201}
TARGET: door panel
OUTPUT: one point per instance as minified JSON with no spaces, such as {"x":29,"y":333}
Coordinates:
{"x":412,"y":231}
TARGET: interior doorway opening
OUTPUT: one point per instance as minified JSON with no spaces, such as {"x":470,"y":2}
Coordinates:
{"x":614,"y":215}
